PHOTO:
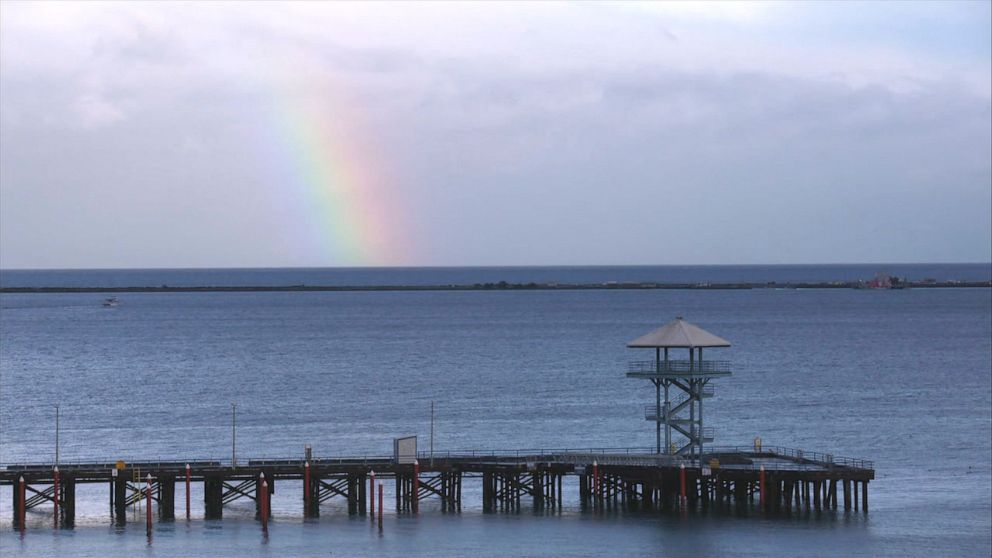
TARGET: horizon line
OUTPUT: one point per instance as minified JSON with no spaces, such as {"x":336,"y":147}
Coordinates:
{"x":489,"y":266}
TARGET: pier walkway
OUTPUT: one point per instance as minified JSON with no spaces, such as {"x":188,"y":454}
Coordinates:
{"x":775,"y":479}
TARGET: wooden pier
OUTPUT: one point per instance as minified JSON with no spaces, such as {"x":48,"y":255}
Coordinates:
{"x":772,"y":480}
{"x":682,"y":472}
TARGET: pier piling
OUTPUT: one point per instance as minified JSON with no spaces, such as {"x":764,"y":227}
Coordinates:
{"x":416,"y":486}
{"x":148,"y":504}
{"x":372,"y":495}
{"x":120,"y":497}
{"x":213,"y":497}
{"x":19,"y":497}
{"x":307,"y":512}
{"x":381,"y":491}
{"x":264,"y":503}
{"x":55,"y":494}
{"x":187,"y":491}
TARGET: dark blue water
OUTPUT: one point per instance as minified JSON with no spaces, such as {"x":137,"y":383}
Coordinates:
{"x":900,"y":377}
{"x":472,"y":275}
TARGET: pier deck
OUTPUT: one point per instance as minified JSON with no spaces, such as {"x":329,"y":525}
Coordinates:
{"x":781,"y":479}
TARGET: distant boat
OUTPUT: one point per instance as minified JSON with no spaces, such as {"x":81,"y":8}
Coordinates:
{"x":111,"y":302}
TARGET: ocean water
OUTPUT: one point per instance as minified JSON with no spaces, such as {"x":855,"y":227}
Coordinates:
{"x":472,"y":275}
{"x":899,"y":377}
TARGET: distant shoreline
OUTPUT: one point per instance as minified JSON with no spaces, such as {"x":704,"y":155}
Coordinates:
{"x":499,"y":286}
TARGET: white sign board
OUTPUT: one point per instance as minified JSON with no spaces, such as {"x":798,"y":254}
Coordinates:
{"x":405,"y":450}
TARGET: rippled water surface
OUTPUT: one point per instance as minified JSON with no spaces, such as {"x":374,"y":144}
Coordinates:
{"x":900,"y":377}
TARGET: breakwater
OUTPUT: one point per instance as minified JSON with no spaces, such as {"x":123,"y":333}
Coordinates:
{"x":498,"y":286}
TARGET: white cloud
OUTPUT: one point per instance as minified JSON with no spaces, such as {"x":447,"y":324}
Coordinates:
{"x":486,"y":114}
{"x":94,"y":111}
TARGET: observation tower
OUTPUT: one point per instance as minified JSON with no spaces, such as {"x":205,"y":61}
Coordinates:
{"x":684,"y":414}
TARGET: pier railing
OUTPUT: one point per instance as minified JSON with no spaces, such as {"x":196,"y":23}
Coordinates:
{"x":679,"y":367}
{"x":153,"y":463}
{"x":532,"y":452}
{"x":369,"y":459}
{"x":801,"y":457}
{"x":626,"y":456}
{"x":818,"y":457}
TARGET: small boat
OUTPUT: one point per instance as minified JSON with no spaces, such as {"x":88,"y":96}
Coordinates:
{"x":111,"y":302}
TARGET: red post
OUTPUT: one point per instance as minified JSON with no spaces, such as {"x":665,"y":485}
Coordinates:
{"x":20,"y":503}
{"x":595,"y":480}
{"x":187,"y":492}
{"x":682,"y":483}
{"x":55,"y":494}
{"x":148,"y":503}
{"x":264,"y":502}
{"x":380,"y":504}
{"x":372,"y":495}
{"x":416,"y":486}
{"x":761,"y":486}
{"x":306,"y":489}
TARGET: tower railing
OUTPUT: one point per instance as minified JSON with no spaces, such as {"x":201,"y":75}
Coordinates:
{"x":707,"y":432}
{"x":679,"y":367}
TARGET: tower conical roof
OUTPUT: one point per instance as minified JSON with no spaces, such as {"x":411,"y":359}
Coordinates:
{"x":679,"y":334}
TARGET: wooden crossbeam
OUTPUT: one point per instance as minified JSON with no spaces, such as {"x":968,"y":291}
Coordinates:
{"x":137,"y":493}
{"x":332,"y":489}
{"x":236,"y":492}
{"x":431,"y":485}
{"x":527,"y":484}
{"x":620,"y":484}
{"x":39,"y":496}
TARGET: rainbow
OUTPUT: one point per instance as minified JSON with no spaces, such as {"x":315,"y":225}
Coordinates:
{"x":335,"y":179}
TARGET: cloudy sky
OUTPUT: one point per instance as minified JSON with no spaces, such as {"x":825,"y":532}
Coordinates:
{"x":253,"y":134}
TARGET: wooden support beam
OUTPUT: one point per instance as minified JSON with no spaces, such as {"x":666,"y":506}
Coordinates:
{"x":706,"y":486}
{"x":538,"y":489}
{"x":167,"y":497}
{"x":39,"y":497}
{"x":213,"y":497}
{"x":352,"y":495}
{"x":314,"y":496}
{"x":362,"y":494}
{"x":584,"y":490}
{"x":244,"y":489}
{"x":120,"y":497}
{"x":67,"y":498}
{"x":17,"y":503}
{"x":487,"y":492}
